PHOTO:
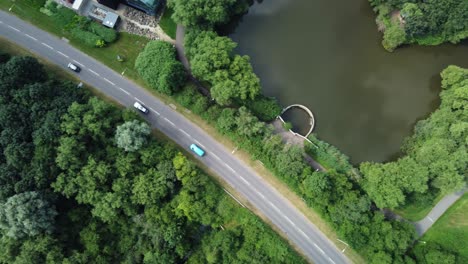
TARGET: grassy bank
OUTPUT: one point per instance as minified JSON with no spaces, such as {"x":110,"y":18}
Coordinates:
{"x":416,"y":211}
{"x":167,"y":24}
{"x":450,"y":231}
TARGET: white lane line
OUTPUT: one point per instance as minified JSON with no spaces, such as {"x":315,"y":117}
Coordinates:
{"x":315,"y":245}
{"x":1,"y":22}
{"x":156,"y":112}
{"x":244,"y":180}
{"x":169,"y":121}
{"x":260,"y":194}
{"x":289,"y":220}
{"x":230,"y":168}
{"x":31,"y":37}
{"x":63,"y":54}
{"x":183,"y":131}
{"x":47,"y":45}
{"x":232,"y":196}
{"x":15,"y":29}
{"x":198,"y":142}
{"x":274,"y":207}
{"x":333,"y":262}
{"x":430,"y":219}
{"x":137,"y":99}
{"x":107,"y":80}
{"x":302,"y":233}
{"x":95,"y":73}
{"x":78,"y":63}
{"x":125,"y":91}
{"x":216,"y":156}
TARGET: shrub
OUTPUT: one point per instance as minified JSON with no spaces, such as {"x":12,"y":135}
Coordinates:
{"x":107,"y":34}
{"x":266,"y":109}
{"x":394,"y":36}
{"x":88,"y":38}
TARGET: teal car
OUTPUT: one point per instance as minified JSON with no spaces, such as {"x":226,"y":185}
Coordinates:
{"x":197,"y":150}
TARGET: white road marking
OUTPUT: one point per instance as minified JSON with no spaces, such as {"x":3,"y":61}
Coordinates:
{"x":107,"y":80}
{"x":302,"y":232}
{"x":31,"y":37}
{"x":245,"y":181}
{"x":63,"y":54}
{"x":15,"y":29}
{"x":156,"y":112}
{"x":274,"y":207}
{"x":260,"y":194}
{"x":198,"y":142}
{"x":95,"y":73}
{"x":289,"y":220}
{"x":230,"y":168}
{"x":169,"y":121}
{"x":216,"y":156}
{"x":333,"y":262}
{"x":430,"y":219}
{"x":232,"y":196}
{"x":315,"y":245}
{"x":47,"y":45}
{"x":78,"y":63}
{"x":125,"y":91}
{"x":183,"y":131}
{"x":1,"y":22}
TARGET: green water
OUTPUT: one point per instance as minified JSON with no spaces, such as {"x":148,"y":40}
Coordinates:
{"x":327,"y":55}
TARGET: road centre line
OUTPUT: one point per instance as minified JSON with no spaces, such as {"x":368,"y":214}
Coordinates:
{"x":78,"y":63}
{"x":14,"y":28}
{"x":156,"y":112}
{"x":245,"y":181}
{"x":198,"y":142}
{"x":260,"y":194}
{"x":320,"y":249}
{"x":63,"y":54}
{"x":169,"y":121}
{"x":430,"y":219}
{"x":47,"y":45}
{"x":183,"y":131}
{"x":230,"y":168}
{"x":333,"y":262}
{"x":95,"y":73}
{"x":216,"y":156}
{"x":31,"y":37}
{"x":125,"y":91}
{"x":107,"y":80}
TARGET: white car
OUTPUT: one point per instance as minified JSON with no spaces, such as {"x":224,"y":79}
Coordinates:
{"x":73,"y":67}
{"x":140,"y":107}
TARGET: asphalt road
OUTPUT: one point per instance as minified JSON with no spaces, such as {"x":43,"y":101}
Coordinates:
{"x":280,"y":212}
{"x":423,"y":225}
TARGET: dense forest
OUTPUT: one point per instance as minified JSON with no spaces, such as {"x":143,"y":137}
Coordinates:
{"x":83,"y":181}
{"x":425,"y":22}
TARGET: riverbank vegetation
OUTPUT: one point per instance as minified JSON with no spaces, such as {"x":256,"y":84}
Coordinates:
{"x":83,"y":181}
{"x":428,"y":22}
{"x":435,"y":157}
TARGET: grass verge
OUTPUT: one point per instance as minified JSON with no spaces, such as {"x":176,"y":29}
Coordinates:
{"x":450,"y":231}
{"x":416,"y":211}
{"x":167,"y":24}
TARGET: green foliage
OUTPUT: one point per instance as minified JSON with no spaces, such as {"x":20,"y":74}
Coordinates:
{"x":265,"y":108}
{"x":86,"y":37}
{"x":132,"y":135}
{"x":26,"y":214}
{"x":436,"y":155}
{"x":212,"y":60}
{"x":394,"y":35}
{"x":287,"y":126}
{"x":109,"y":35}
{"x":209,"y":13}
{"x":429,"y":22}
{"x":158,"y":66}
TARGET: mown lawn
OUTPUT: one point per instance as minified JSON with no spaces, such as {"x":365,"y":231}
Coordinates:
{"x":167,"y":24}
{"x":127,"y":46}
{"x":417,"y":211}
{"x":451,"y":230}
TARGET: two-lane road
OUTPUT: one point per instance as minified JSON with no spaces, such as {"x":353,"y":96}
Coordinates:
{"x":280,"y":212}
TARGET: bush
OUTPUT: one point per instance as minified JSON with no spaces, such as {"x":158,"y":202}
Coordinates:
{"x":88,"y":38}
{"x":266,"y":109}
{"x":394,"y":36}
{"x":107,"y":34}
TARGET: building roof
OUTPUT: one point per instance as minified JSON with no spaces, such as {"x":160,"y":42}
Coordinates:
{"x":110,"y":20}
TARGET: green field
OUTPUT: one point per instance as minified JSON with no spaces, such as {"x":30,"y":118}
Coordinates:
{"x":450,"y":231}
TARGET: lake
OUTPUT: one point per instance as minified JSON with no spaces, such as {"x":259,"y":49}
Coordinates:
{"x":327,"y":56}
